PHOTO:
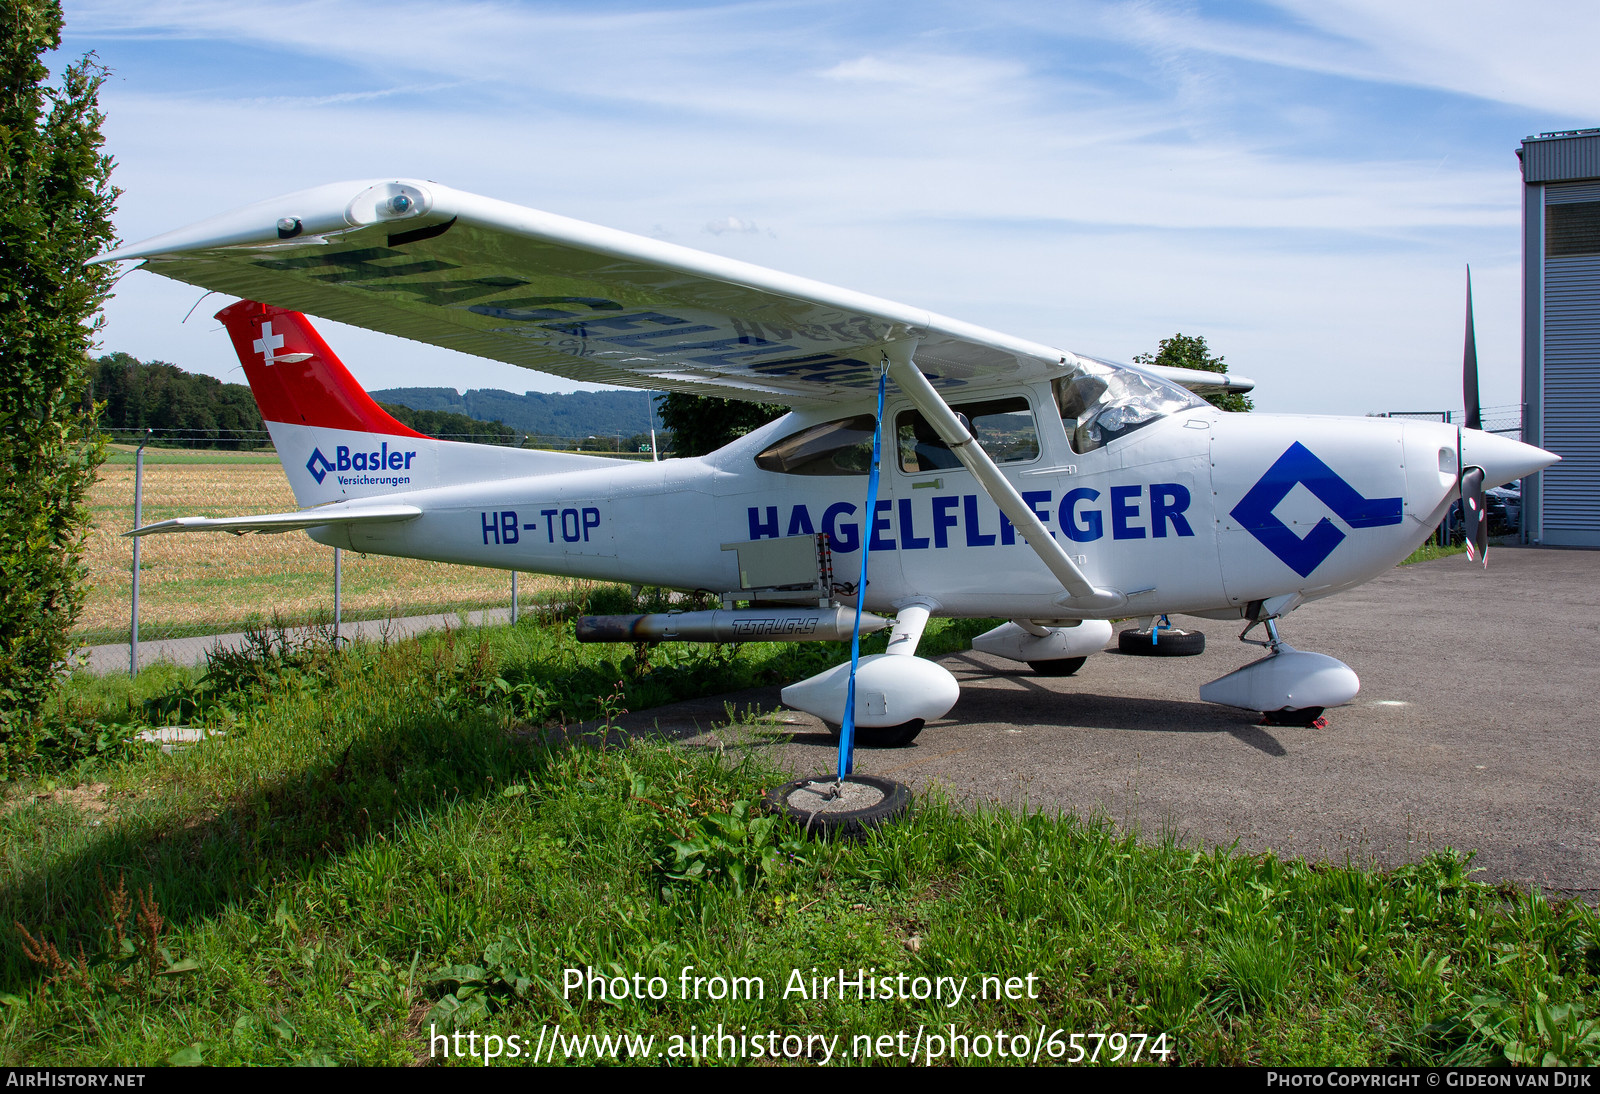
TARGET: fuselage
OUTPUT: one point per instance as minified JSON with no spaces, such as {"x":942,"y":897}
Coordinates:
{"x":1196,"y":512}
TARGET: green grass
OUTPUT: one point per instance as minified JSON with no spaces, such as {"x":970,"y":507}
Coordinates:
{"x":1431,"y":550}
{"x":379,"y":845}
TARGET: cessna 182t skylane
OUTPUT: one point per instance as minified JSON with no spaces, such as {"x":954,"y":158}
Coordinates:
{"x":1041,"y":486}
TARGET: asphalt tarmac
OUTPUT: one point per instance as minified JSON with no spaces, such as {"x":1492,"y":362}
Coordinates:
{"x":1474,"y":729}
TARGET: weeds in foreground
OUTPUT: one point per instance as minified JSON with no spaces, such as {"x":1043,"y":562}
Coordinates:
{"x":358,"y":862}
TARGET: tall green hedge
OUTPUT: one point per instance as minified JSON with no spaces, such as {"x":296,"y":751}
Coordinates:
{"x":56,"y":201}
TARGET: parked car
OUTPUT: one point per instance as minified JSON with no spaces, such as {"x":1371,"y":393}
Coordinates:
{"x":1504,"y":504}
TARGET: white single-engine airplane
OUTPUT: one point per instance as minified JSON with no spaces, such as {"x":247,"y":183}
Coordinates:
{"x":1051,"y":489}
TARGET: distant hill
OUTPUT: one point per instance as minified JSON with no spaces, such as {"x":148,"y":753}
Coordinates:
{"x":452,"y":426}
{"x":576,"y":414}
{"x":198,"y":410}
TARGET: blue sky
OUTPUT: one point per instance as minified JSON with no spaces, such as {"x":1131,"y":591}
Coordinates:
{"x":1300,"y":181}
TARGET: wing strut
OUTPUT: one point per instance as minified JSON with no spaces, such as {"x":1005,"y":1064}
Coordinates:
{"x":911,"y":381}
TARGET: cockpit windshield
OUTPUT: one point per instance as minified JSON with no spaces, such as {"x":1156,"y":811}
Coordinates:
{"x":1101,"y":401}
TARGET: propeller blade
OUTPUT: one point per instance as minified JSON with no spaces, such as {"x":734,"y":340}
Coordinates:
{"x":1474,"y":516}
{"x":1469,"y":367}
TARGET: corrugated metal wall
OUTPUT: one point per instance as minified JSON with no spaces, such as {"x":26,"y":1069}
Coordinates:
{"x":1571,"y":343}
{"x":1566,"y":192}
{"x":1550,"y":160}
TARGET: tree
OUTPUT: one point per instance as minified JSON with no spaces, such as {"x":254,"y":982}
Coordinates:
{"x":1183,"y":351}
{"x":447,"y":423}
{"x":193,"y":410}
{"x":701,"y":424}
{"x":56,"y":215}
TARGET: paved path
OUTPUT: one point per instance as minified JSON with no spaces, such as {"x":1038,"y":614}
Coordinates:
{"x":1475,"y":729}
{"x":192,"y":651}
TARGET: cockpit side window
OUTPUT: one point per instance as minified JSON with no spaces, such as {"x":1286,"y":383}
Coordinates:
{"x":840,"y":447}
{"x":1004,"y":427}
{"x":1101,"y":402}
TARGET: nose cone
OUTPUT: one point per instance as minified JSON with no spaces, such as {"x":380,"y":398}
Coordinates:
{"x":1502,"y":458}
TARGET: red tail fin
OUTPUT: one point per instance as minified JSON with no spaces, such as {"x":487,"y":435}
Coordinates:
{"x":296,"y":378}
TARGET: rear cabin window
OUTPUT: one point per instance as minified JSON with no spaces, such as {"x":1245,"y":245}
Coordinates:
{"x":1004,"y":427}
{"x":840,"y":447}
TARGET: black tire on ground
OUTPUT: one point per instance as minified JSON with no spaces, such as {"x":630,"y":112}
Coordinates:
{"x":882,"y":736}
{"x":1061,"y":666}
{"x":1305,"y":717}
{"x":1171,"y":643}
{"x":845,"y":823}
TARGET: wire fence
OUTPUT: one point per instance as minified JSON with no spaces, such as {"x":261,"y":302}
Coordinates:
{"x":194,"y":585}
{"x":1505,"y":419}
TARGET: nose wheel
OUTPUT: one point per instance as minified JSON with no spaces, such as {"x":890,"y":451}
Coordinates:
{"x":1300,"y":717}
{"x":1290,"y":687}
{"x":1297,"y":717}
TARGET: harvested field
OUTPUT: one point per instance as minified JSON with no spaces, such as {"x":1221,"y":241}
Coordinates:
{"x":204,"y":582}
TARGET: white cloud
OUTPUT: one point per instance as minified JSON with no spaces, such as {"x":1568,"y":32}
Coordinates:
{"x":723,"y":225}
{"x":1530,"y":55}
{"x":1084,"y":174}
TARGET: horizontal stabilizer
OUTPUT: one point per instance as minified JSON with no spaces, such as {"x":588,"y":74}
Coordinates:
{"x":1202,"y":382}
{"x":285,"y":522}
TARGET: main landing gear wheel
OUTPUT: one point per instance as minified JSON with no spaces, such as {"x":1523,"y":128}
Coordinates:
{"x":1169,"y":643}
{"x":1304,"y":717}
{"x":1061,"y":666}
{"x":845,"y":808}
{"x":882,"y":736}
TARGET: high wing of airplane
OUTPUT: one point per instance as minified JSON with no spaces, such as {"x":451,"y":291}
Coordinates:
{"x":1019,"y":481}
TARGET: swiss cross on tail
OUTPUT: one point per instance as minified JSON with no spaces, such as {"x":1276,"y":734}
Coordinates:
{"x":268,"y":345}
{"x":306,"y":386}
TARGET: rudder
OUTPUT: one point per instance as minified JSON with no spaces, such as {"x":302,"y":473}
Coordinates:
{"x":335,"y":442}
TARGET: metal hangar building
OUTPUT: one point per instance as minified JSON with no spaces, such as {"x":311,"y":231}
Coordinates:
{"x":1561,"y":335}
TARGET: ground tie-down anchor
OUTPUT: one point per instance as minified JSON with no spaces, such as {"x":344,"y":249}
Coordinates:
{"x":829,"y":807}
{"x":849,"y":805}
{"x":1160,"y":639}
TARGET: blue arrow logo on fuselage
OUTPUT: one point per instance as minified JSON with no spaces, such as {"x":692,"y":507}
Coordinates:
{"x":1296,"y":467}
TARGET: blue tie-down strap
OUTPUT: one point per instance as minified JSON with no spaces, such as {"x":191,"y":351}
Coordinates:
{"x":847,"y":729}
